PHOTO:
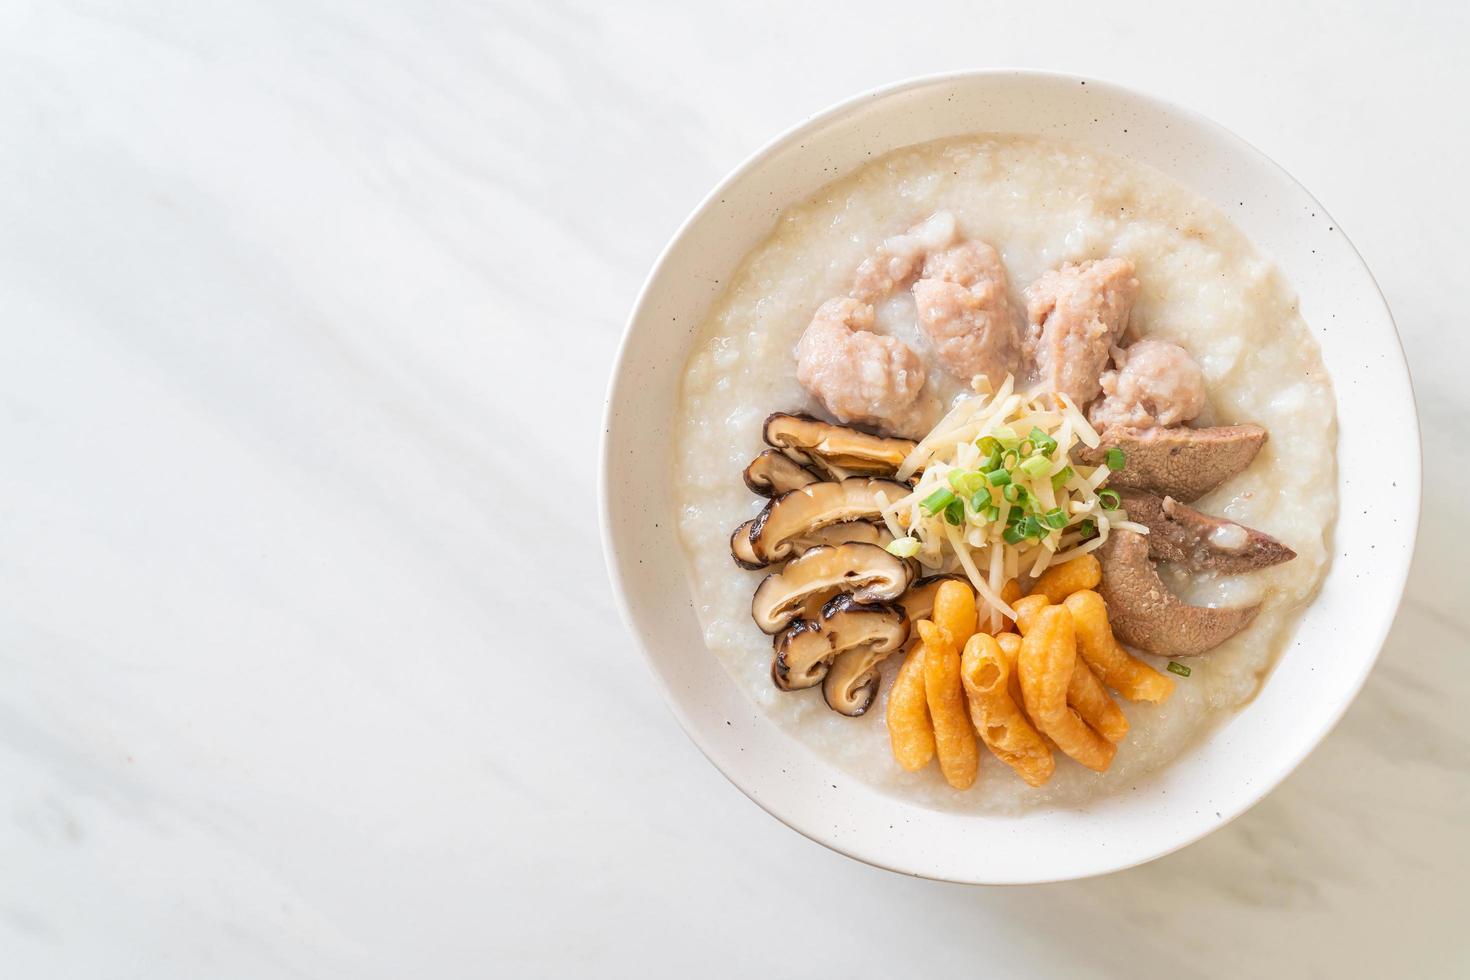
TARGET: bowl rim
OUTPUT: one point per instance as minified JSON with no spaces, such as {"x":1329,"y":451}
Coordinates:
{"x":1395,"y":578}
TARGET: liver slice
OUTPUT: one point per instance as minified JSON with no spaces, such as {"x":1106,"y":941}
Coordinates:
{"x":1182,"y":463}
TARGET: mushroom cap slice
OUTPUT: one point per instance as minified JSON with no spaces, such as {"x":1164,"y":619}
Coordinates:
{"x":804,"y":650}
{"x":866,"y":571}
{"x":832,"y":535}
{"x":798,"y":513}
{"x":838,"y":450}
{"x":772,"y":473}
{"x":1181,"y":463}
{"x":849,"y":532}
{"x":741,"y":550}
{"x":1179,"y":533}
{"x":1145,"y":614}
{"x":918,"y":601}
{"x":851,"y":683}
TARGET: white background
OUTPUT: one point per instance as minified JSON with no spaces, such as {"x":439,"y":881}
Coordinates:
{"x":308,"y":663}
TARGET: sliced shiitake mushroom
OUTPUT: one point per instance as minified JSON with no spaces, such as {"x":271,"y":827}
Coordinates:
{"x":832,"y":535}
{"x":773,"y":473}
{"x":812,"y":608}
{"x":918,"y":601}
{"x":741,"y":550}
{"x":849,"y":532}
{"x":797,"y":513}
{"x":805,"y":649}
{"x":1182,"y":463}
{"x":866,"y":571}
{"x":851,"y":683}
{"x":1179,"y":533}
{"x":838,"y":450}
{"x":1145,"y":614}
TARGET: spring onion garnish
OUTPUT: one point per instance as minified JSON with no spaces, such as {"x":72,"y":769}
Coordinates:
{"x":980,"y":500}
{"x":955,"y":512}
{"x":1013,"y":534}
{"x":989,"y":445}
{"x":1036,"y":466}
{"x":1089,"y":529}
{"x":937,"y":501}
{"x":1115,"y":459}
{"x":998,"y":477}
{"x":1044,"y":443}
{"x":1011,"y":492}
{"x":1178,"y":668}
{"x":1109,"y":499}
{"x":903,"y":547}
{"x":1060,"y":479}
{"x":1056,"y":518}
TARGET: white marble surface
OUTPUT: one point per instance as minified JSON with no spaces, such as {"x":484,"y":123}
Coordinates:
{"x":296,"y":676}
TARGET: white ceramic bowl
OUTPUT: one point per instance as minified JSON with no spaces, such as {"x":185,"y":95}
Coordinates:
{"x":1338,"y":638}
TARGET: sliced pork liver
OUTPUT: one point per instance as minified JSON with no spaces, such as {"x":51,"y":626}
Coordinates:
{"x":1181,"y":463}
{"x":1179,"y":533}
{"x":1145,"y":614}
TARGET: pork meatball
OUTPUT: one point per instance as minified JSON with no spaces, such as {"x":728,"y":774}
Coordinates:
{"x":899,"y":257}
{"x":861,"y":376}
{"x":1153,"y":383}
{"x":966,"y":314}
{"x":1076,"y":315}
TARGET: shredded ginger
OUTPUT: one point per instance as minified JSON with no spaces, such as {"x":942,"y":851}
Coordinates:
{"x":998,"y":495}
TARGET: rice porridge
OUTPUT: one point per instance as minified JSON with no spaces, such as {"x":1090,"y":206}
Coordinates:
{"x":1040,"y":204}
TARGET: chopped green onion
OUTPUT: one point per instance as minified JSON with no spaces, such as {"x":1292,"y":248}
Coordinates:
{"x":1026,"y":448}
{"x":955,"y":512}
{"x":1177,"y":668}
{"x":980,"y":500}
{"x":991,"y":462}
{"x":974,"y":483}
{"x":1088,"y":528}
{"x":1115,"y":459}
{"x":937,"y":501}
{"x":1035,"y":466}
{"x":988,"y":444}
{"x":903,"y":547}
{"x":1004,"y":433}
{"x":998,"y":477}
{"x":1013,"y":516}
{"x":1056,"y":518}
{"x":1011,"y":492}
{"x":1013,"y":534}
{"x":1010,"y":459}
{"x":1044,"y":443}
{"x":1109,"y":499}
{"x":1060,"y":478}
{"x":990,"y":512}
